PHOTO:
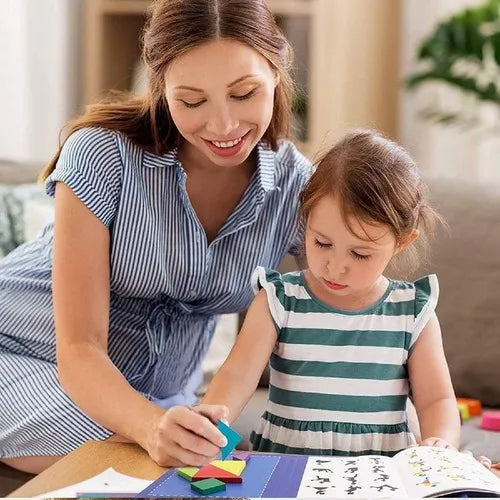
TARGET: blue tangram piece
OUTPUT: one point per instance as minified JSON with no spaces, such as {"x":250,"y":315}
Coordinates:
{"x":233,"y":438}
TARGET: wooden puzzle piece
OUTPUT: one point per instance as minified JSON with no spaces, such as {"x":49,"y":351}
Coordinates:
{"x":233,"y":466}
{"x":210,"y":471}
{"x":242,"y":456}
{"x":187,"y":472}
{"x":233,"y":438}
{"x":208,"y":486}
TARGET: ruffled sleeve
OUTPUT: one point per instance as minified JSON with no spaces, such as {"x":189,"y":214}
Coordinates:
{"x":426,"y":298}
{"x":90,"y":164}
{"x":272,"y":282}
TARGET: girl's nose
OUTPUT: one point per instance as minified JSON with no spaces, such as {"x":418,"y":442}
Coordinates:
{"x":336,"y":268}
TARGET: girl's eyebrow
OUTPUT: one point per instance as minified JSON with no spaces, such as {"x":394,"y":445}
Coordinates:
{"x":232,"y":84}
{"x":357,"y":247}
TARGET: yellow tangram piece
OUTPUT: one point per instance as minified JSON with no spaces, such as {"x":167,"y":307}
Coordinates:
{"x":187,"y":472}
{"x":233,"y":466}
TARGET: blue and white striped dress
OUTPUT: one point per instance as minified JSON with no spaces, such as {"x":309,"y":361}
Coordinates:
{"x":167,"y":284}
{"x":339,"y":379}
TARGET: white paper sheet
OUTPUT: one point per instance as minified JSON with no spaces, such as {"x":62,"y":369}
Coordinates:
{"x":108,"y":482}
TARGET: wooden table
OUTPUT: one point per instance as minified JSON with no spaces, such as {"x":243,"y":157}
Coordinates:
{"x":91,"y":459}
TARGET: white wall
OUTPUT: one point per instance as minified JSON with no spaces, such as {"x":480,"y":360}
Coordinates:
{"x":443,"y":151}
{"x":39,"y":84}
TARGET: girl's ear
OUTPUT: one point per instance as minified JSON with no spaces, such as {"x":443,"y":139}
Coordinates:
{"x":408,"y":241}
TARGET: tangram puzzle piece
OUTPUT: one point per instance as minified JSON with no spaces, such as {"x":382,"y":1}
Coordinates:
{"x":187,"y":472}
{"x":233,"y":438}
{"x":242,"y":456}
{"x":208,"y":486}
{"x":210,"y":471}
{"x":233,"y":466}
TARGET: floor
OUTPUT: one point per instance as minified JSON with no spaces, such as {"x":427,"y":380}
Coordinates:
{"x":11,"y":479}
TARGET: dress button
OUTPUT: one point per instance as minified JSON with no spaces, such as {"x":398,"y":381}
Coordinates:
{"x":198,"y":236}
{"x":193,"y":293}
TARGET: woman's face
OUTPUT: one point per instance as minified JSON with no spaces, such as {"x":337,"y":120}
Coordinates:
{"x":221,"y":97}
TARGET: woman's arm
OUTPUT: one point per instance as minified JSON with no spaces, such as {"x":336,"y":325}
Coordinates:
{"x":432,"y":390}
{"x":236,"y":380}
{"x":81,"y":291}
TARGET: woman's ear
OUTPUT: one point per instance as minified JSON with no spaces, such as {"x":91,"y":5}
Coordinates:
{"x":277,"y":78}
{"x":408,"y":241}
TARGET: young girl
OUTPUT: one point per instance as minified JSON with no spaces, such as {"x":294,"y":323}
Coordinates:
{"x":347,"y":345}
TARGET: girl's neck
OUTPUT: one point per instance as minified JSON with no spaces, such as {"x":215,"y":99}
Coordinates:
{"x":351,"y":302}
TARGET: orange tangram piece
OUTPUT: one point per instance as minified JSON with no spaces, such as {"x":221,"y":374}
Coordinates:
{"x":474,"y":406}
{"x":210,"y":471}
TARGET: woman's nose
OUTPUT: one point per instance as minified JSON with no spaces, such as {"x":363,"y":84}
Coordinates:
{"x":221,"y":123}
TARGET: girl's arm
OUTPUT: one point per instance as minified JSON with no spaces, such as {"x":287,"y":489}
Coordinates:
{"x":81,"y":294}
{"x":236,"y":380}
{"x":432,"y":390}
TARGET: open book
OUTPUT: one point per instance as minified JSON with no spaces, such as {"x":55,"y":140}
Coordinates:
{"x":415,"y":472}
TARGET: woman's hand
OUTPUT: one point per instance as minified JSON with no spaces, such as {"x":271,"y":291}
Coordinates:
{"x":187,"y":436}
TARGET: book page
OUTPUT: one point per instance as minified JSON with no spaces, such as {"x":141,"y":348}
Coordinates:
{"x":428,"y":471}
{"x":341,"y":477}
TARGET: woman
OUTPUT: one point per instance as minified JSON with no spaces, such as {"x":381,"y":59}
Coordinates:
{"x":164,"y":205}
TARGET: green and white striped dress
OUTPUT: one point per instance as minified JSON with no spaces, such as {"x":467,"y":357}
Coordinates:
{"x":339,"y":379}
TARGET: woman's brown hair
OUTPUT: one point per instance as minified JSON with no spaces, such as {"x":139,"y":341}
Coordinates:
{"x":174,"y":27}
{"x":376,"y":182}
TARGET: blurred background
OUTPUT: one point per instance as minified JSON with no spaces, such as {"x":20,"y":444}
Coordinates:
{"x":424,"y":72}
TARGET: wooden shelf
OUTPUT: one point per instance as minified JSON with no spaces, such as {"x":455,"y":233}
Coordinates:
{"x":349,"y":66}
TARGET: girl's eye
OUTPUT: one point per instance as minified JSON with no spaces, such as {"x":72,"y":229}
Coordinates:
{"x":322,"y":245}
{"x":245,"y":96}
{"x":360,"y":256}
{"x":192,"y":104}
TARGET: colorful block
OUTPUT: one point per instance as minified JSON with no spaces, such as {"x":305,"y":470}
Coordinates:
{"x":233,"y":466}
{"x":187,"y":472}
{"x":233,"y":438}
{"x":208,"y":486}
{"x":464,"y":411}
{"x":210,"y":471}
{"x":241,"y":456}
{"x":491,"y":420}
{"x":474,"y":405}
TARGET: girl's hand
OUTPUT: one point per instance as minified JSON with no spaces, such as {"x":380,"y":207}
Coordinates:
{"x":435,"y":441}
{"x":186,"y":436}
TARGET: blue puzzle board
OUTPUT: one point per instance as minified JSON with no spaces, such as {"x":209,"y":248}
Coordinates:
{"x":265,"y":476}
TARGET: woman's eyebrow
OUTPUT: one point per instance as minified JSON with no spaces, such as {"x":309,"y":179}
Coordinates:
{"x":232,"y":84}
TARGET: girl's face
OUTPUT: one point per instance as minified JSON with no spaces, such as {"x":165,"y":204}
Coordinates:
{"x":342,"y":265}
{"x":221,"y":97}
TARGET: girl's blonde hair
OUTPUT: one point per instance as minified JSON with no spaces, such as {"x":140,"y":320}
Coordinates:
{"x":173,"y":28}
{"x":376,"y":182}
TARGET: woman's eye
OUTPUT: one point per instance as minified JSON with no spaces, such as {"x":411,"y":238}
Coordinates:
{"x":244,"y":96}
{"x":192,"y":104}
{"x":360,"y":256}
{"x":322,"y":245}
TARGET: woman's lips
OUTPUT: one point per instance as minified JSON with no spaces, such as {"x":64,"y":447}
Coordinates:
{"x":227,"y":151}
